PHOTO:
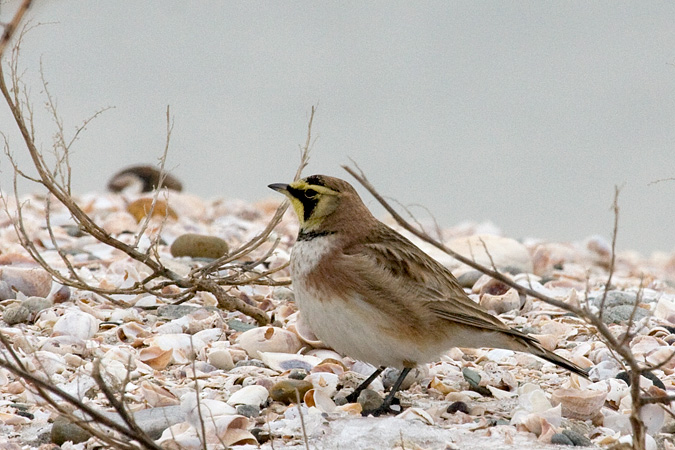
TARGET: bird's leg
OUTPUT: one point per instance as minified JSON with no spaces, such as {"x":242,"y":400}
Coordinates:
{"x":386,"y":405}
{"x":354,"y":396}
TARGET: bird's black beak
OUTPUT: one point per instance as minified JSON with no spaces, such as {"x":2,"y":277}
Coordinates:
{"x":279,"y":187}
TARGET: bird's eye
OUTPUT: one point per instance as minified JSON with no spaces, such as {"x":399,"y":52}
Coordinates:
{"x":311,"y":193}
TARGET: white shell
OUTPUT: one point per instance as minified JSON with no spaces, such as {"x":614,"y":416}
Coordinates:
{"x":220,"y":358}
{"x":268,"y":339}
{"x":255,"y":395}
{"x":579,"y":404}
{"x":282,"y":362}
{"x":76,"y":323}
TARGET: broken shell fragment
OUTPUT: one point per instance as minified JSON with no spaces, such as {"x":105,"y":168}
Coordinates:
{"x":254,"y":395}
{"x":268,"y":339}
{"x":579,"y":404}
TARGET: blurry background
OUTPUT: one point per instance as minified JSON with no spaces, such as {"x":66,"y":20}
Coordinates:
{"x":526,"y":114}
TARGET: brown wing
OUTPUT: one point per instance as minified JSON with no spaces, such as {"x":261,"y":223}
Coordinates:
{"x":425,"y":282}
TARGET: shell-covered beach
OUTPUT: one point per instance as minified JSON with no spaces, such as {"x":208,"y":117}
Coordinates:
{"x":249,"y":378}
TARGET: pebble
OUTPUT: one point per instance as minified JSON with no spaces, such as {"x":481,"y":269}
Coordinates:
{"x":458,"y":407}
{"x":369,"y":400}
{"x":623,"y":375}
{"x":561,"y":439}
{"x":199,"y":246}
{"x":578,"y":439}
{"x":15,"y":314}
{"x":390,"y":375}
{"x":284,"y":391}
{"x":507,"y":254}
{"x":248,"y":410}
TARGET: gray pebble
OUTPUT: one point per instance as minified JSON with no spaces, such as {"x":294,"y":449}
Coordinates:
{"x":250,"y":362}
{"x":249,"y":411}
{"x":153,"y":421}
{"x":15,"y":314}
{"x":621,"y":313}
{"x":238,"y":325}
{"x":561,"y":439}
{"x":390,"y":375}
{"x":369,"y":400}
{"x":577,"y":439}
{"x":469,"y":278}
{"x":297,"y":374}
{"x":172,"y":312}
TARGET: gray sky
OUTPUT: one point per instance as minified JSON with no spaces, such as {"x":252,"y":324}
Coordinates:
{"x":523,"y":113}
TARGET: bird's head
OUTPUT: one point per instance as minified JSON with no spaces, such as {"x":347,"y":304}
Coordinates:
{"x":318,"y":200}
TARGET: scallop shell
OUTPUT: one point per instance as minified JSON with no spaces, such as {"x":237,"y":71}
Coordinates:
{"x":268,"y":339}
{"x":249,"y":395}
{"x":76,"y":323}
{"x":579,"y":404}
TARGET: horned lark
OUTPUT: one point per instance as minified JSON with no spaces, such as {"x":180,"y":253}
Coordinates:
{"x":371,"y":294}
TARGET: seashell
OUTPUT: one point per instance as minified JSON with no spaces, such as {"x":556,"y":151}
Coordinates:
{"x":538,"y":422}
{"x":665,"y":309}
{"x":663,"y":357}
{"x":502,"y":303}
{"x":220,"y":358}
{"x":76,"y":323}
{"x":141,"y":207}
{"x":64,"y":345}
{"x":210,"y":334}
{"x":47,"y":363}
{"x":155,"y":357}
{"x":119,"y":222}
{"x":324,"y":354}
{"x":282,"y":362}
{"x":229,"y":431}
{"x":653,"y":417}
{"x":533,"y":399}
{"x":353,"y":409}
{"x":183,"y":346}
{"x":579,"y":404}
{"x":441,"y":387}
{"x":27,"y":278}
{"x":157,"y":396}
{"x":132,"y":333}
{"x":324,"y":382}
{"x":320,"y":400}
{"x":304,"y":331}
{"x":546,"y":257}
{"x":199,"y":246}
{"x":416,"y":414}
{"x":507,"y":254}
{"x":268,"y":339}
{"x":249,"y":395}
{"x":548,"y":341}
